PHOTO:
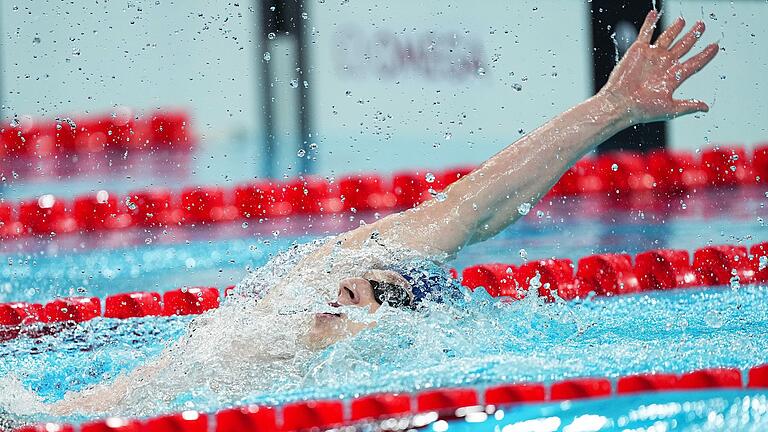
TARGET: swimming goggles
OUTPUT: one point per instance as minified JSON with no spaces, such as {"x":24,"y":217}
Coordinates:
{"x":394,"y":295}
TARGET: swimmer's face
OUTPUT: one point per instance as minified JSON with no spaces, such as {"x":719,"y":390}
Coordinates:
{"x":328,"y":328}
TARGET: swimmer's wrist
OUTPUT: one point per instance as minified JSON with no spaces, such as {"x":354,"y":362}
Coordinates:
{"x":616,"y":109}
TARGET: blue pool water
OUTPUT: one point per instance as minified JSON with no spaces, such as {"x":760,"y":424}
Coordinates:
{"x":476,"y":340}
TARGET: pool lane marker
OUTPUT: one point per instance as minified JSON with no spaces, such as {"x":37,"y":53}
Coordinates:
{"x":601,"y":274}
{"x":405,"y":410}
{"x":614,"y":175}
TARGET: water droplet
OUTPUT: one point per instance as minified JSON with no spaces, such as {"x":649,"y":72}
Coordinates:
{"x":763,"y":262}
{"x":271,"y":36}
{"x":102,"y":196}
{"x":148,"y":240}
{"x":304,"y":15}
{"x":735,"y":282}
{"x":36,"y":40}
{"x":441,"y":196}
{"x":267,"y":56}
{"x":348,"y":93}
{"x":615,"y":167}
{"x":523,"y":254}
{"x":295,"y":83}
{"x":276,"y":233}
{"x":301,"y":153}
{"x":733,"y":168}
{"x":306,"y":84}
{"x":480,"y":71}
{"x":130,"y":204}
{"x":190,"y":263}
{"x":524,"y":208}
{"x":713,"y":319}
{"x":15,"y":123}
{"x":447,"y":136}
{"x":430,"y":178}
{"x":540,"y":214}
{"x":46,"y":201}
{"x":245,"y":225}
{"x":517,"y":86}
{"x":312,"y":146}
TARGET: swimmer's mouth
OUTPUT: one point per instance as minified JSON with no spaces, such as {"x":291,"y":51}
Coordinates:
{"x":331,"y":314}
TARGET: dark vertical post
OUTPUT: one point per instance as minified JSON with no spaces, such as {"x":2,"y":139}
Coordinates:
{"x":268,"y":24}
{"x":285,"y":19}
{"x":615,"y":24}
{"x":305,"y":112}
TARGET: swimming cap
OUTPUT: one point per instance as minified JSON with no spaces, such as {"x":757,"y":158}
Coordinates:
{"x":428,"y":280}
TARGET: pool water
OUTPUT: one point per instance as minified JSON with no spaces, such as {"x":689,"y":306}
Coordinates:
{"x":474,"y":340}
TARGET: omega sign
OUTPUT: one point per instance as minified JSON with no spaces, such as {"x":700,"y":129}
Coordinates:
{"x":440,"y":55}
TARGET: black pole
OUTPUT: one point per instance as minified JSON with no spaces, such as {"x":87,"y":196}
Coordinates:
{"x":286,"y":19}
{"x":614,"y":25}
{"x":266,"y":25}
{"x":305,"y":112}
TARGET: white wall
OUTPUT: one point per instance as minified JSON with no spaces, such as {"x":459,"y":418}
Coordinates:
{"x":375,"y":111}
{"x":86,"y":56}
{"x":393,"y":117}
{"x":434,"y":109}
{"x":735,"y":84}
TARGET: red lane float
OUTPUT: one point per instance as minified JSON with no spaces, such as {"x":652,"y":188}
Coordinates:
{"x":379,"y":405}
{"x":252,"y":418}
{"x":758,"y":377}
{"x":555,"y":276}
{"x":112,"y":424}
{"x":664,"y":269}
{"x":716,"y":265}
{"x":497,"y":279}
{"x":100,"y":211}
{"x":47,"y":427}
{"x":205,"y":205}
{"x":608,"y":274}
{"x":646,"y":382}
{"x":727,"y":166}
{"x":77,"y":309}
{"x":446,"y":399}
{"x":759,"y":260}
{"x":187,"y":421}
{"x":190,"y":301}
{"x":515,"y":393}
{"x":131,"y":305}
{"x":119,"y":131}
{"x":312,"y":414}
{"x":580,"y":388}
{"x":711,"y":378}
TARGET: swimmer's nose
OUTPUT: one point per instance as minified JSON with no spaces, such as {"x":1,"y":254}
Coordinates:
{"x":348,"y":294}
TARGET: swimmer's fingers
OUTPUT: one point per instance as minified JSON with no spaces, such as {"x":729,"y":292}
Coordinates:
{"x":646,"y":31}
{"x":689,"y":106}
{"x":697,"y":62}
{"x":672,"y":32}
{"x":681,"y":47}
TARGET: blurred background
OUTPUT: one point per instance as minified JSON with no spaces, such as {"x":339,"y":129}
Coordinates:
{"x":228,"y":91}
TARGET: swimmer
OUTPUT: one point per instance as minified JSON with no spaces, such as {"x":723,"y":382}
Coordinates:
{"x":391,"y":261}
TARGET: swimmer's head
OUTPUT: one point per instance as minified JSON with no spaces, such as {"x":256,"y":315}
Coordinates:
{"x":404,"y":286}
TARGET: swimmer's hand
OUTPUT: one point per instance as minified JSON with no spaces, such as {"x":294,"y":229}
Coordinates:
{"x":645,"y":78}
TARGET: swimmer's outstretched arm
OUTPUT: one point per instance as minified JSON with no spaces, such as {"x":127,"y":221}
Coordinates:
{"x":483,"y":203}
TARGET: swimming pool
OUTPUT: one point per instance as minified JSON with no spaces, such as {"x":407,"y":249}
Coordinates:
{"x":477,"y":341}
